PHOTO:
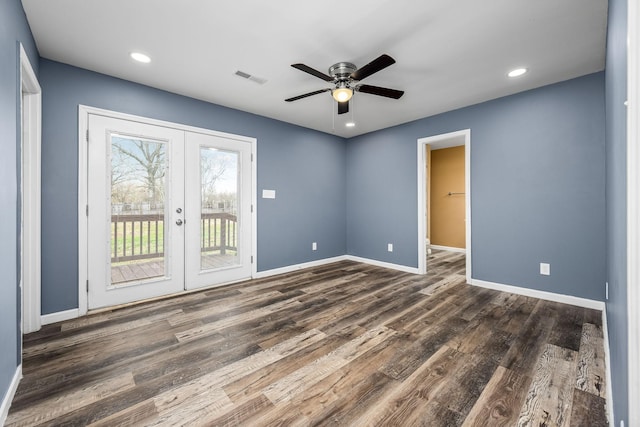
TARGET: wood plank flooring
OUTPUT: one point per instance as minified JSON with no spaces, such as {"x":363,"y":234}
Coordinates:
{"x":341,"y":344}
{"x":145,"y":269}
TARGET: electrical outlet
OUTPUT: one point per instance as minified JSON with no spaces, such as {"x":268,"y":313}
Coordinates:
{"x":390,"y":247}
{"x":545,"y":269}
{"x":314,"y":246}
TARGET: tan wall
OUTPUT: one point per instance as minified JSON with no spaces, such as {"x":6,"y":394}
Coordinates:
{"x":428,"y":170}
{"x":447,"y":217}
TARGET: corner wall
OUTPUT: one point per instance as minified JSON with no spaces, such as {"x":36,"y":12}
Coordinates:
{"x":14,"y":30}
{"x":537,"y":188}
{"x":305,"y":167}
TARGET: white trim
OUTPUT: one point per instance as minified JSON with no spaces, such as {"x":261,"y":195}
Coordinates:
{"x":296,"y":267}
{"x":146,"y":120}
{"x":83,"y":220}
{"x":448,"y":248}
{"x":607,"y":362}
{"x":548,"y":296}
{"x":11,"y":392}
{"x":633,"y":210}
{"x":404,"y":268}
{"x":254,"y":210}
{"x":320,"y":262}
{"x":60,"y":316}
{"x":422,"y":219}
{"x":31,"y":110}
{"x":83,"y":126}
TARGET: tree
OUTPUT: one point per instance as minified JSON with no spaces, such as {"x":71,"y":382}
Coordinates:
{"x":213,"y":165}
{"x":136,"y":160}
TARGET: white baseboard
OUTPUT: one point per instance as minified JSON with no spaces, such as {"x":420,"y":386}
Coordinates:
{"x":549,"y":296}
{"x":8,"y":397}
{"x":607,"y":362}
{"x":59,"y":316}
{"x":448,"y":248}
{"x":291,"y":268}
{"x":296,"y":267}
{"x":383,"y":264}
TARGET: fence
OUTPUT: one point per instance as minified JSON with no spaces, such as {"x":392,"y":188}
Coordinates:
{"x":136,"y":237}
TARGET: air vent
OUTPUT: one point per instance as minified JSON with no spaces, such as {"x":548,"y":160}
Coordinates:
{"x":248,"y":76}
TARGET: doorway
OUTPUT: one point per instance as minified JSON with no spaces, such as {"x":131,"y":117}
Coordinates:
{"x":168,"y":209}
{"x":30,"y":109}
{"x":425,"y":145}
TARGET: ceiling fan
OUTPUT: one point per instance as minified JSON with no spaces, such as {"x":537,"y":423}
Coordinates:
{"x":344,"y":75}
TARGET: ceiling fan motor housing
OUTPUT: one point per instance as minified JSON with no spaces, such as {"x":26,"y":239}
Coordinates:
{"x":342,"y":71}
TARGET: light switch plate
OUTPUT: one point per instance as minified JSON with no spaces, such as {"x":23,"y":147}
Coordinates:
{"x":268,"y":194}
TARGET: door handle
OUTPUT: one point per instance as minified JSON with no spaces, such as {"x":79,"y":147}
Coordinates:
{"x":179,"y":222}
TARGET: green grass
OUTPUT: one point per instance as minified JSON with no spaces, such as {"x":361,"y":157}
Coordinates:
{"x":143,"y":241}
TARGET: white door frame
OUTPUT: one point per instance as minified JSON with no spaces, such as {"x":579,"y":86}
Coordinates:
{"x":633,"y":210}
{"x":422,"y":219}
{"x":31,"y":110}
{"x":83,"y":127}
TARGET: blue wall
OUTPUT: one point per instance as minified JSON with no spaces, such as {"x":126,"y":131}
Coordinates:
{"x":13,"y":30}
{"x":616,"y":114}
{"x":538,"y":182}
{"x":537,"y":188}
{"x":305,"y":167}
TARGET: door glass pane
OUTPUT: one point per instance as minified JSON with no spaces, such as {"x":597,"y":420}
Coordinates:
{"x":138,"y":170}
{"x":219,"y":208}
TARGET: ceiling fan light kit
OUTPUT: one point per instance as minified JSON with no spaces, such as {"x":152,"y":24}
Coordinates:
{"x":344,"y":75}
{"x":342,"y":94}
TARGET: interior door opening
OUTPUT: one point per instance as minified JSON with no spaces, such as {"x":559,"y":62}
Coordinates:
{"x":444,"y":214}
{"x":30,"y":205}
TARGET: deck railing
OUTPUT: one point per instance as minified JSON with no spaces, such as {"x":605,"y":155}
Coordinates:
{"x":135,"y":237}
{"x":218,"y":231}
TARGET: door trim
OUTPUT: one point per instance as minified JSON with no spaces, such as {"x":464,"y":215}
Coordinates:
{"x":422,"y":226}
{"x":30,"y":261}
{"x":83,"y":127}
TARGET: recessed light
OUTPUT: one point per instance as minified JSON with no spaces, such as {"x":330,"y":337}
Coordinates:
{"x":517,"y":72}
{"x":350,"y":124}
{"x":140,"y":57}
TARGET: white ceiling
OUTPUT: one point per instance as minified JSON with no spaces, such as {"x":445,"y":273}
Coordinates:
{"x":449,"y":53}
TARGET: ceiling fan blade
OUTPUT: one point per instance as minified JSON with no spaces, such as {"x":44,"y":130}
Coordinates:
{"x":315,"y":92}
{"x":343,"y":107}
{"x":313,"y":72}
{"x":380,"y":91}
{"x":381,"y":62}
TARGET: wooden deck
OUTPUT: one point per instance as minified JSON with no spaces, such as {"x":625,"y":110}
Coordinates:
{"x":145,"y":269}
{"x":340,"y":344}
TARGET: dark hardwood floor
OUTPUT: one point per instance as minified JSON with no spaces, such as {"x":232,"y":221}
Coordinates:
{"x":341,"y":344}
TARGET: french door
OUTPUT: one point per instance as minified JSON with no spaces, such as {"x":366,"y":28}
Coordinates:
{"x":168,"y":210}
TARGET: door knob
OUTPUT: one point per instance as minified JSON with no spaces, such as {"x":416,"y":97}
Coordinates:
{"x":179,"y":222}
{"x":179,"y":210}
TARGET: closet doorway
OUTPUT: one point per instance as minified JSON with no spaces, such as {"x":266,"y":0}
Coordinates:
{"x":444,"y":213}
